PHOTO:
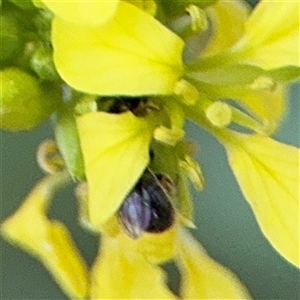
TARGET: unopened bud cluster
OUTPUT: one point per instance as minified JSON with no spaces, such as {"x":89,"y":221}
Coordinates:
{"x":30,"y":89}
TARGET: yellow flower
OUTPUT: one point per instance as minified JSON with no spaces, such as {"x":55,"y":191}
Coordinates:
{"x":48,"y":240}
{"x":271,"y":38}
{"x":234,"y":60}
{"x":132,"y":47}
{"x":122,"y":273}
{"x":268,"y":174}
{"x":252,"y":97}
{"x":124,"y":268}
{"x":115,"y":48}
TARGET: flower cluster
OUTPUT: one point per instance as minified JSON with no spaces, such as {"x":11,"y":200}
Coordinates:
{"x":122,"y":77}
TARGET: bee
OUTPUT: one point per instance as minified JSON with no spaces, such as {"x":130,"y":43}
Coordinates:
{"x":147,"y":208}
{"x":139,"y":106}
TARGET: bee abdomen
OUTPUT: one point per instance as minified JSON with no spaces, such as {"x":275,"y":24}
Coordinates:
{"x":147,"y":208}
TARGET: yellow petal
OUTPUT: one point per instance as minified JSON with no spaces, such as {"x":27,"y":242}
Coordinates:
{"x":228,"y":18}
{"x":268,"y":104}
{"x":89,"y":13}
{"x":133,"y":54}
{"x":116,"y":151}
{"x":120,"y":273}
{"x":272,"y":35}
{"x":204,"y":278}
{"x":156,"y":248}
{"x":48,"y":240}
{"x":268,"y":174}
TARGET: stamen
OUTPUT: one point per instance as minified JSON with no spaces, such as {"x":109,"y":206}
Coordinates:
{"x":188,"y":93}
{"x":263,"y":83}
{"x":247,"y":121}
{"x":168,"y":136}
{"x":194,"y":172}
{"x":199,"y":18}
{"x":219,"y":114}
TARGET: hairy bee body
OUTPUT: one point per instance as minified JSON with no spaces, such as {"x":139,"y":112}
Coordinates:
{"x":147,"y":208}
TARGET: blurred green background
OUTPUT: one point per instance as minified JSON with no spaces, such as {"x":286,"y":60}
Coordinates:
{"x":226,"y":225}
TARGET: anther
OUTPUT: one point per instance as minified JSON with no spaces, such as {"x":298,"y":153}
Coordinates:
{"x":263,"y":83}
{"x":188,"y":93}
{"x":168,"y":136}
{"x":219,"y":114}
{"x":199,"y":18}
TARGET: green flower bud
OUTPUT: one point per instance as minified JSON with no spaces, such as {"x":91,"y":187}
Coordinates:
{"x":42,"y":64}
{"x":11,"y":39}
{"x":24,"y":102}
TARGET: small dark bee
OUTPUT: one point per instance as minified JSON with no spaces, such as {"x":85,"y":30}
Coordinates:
{"x":117,"y":105}
{"x":147,"y":208}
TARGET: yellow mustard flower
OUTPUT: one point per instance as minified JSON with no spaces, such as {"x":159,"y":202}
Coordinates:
{"x":202,"y":276}
{"x":80,"y":56}
{"x":127,"y":52}
{"x":124,"y":268}
{"x":265,"y":97}
{"x":229,"y":19}
{"x":271,"y":38}
{"x":132,"y":45}
{"x":268,"y":174}
{"x":48,"y":240}
{"x":251,"y":44}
